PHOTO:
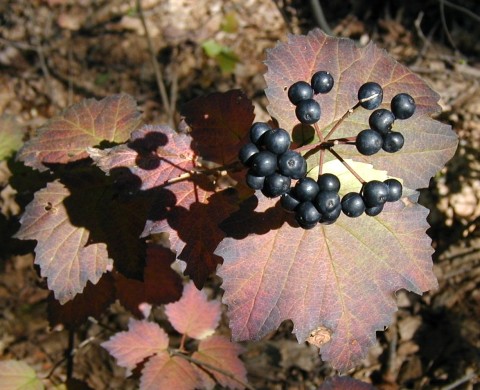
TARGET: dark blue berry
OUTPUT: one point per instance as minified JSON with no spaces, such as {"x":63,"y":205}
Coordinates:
{"x":246,"y":152}
{"x":292,"y":164}
{"x":328,"y":182}
{"x":299,"y":91}
{"x":276,"y":185}
{"x":263,"y":163}
{"x":373,"y":211}
{"x":322,"y":82}
{"x":276,"y":141}
{"x":393,"y":142}
{"x":381,"y":120}
{"x":369,"y":142}
{"x":306,"y":189}
{"x":403,"y":106}
{"x":253,"y":181}
{"x":394,"y":190}
{"x":308,"y":111}
{"x":370,"y":95}
{"x":289,"y":202}
{"x":307,"y":215}
{"x":353,"y":205}
{"x":327,"y":201}
{"x":374,"y":193}
{"x":257,"y":130}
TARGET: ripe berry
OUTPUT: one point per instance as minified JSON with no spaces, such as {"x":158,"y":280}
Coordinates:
{"x":403,"y":106}
{"x":374,"y":193}
{"x":327,"y":201}
{"x":253,"y":181}
{"x":368,"y":142}
{"x":299,"y":91}
{"x":393,"y":142}
{"x":257,"y":130}
{"x":263,"y":163}
{"x":328,"y":182}
{"x":373,"y":211}
{"x":332,"y":216}
{"x":307,"y":215}
{"x":276,"y":141}
{"x":394,"y":190}
{"x":246,"y":152}
{"x":370,"y":95}
{"x":292,"y":164}
{"x":308,"y":111}
{"x":381,"y":120}
{"x":322,"y":82}
{"x":353,"y":205}
{"x":306,"y":189}
{"x":289,"y":202}
{"x":276,"y":185}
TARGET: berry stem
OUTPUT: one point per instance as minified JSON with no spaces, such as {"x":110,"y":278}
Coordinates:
{"x":352,"y":171}
{"x":319,"y":132}
{"x":320,"y":162}
{"x":236,"y":165}
{"x":340,"y":121}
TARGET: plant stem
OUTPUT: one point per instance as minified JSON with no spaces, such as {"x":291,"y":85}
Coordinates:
{"x":352,"y":171}
{"x":319,"y":132}
{"x":187,"y":175}
{"x":211,"y":367}
{"x":320,"y":162}
{"x":340,"y":121}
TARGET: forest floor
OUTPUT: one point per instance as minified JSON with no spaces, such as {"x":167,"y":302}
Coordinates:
{"x":54,"y":53}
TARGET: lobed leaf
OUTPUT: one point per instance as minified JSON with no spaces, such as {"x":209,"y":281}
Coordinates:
{"x":143,"y":339}
{"x":63,"y":252}
{"x":219,"y":352}
{"x":193,"y":315}
{"x":340,"y":278}
{"x":428,"y":144}
{"x":169,"y":372}
{"x":66,"y":137}
{"x":18,"y":375}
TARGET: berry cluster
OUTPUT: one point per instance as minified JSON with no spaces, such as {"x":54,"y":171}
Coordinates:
{"x":380,"y":134}
{"x":371,"y":198}
{"x":301,"y":94}
{"x":271,"y":164}
{"x":314,"y":201}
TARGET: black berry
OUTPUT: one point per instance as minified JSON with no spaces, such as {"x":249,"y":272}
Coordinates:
{"x":289,"y":202}
{"x":393,"y":142}
{"x":370,"y":95}
{"x":292,"y":164}
{"x":307,"y":215}
{"x":299,"y":91}
{"x":263,"y":163}
{"x":353,"y":205}
{"x":394,"y":190}
{"x":246,"y":152}
{"x":369,"y":142}
{"x":308,"y":111}
{"x":257,"y":130}
{"x":328,"y":182}
{"x":373,"y":211}
{"x":276,"y":185}
{"x":327,"y":201}
{"x":322,"y":82}
{"x":306,"y":189}
{"x":403,"y":106}
{"x":253,"y":181}
{"x":374,"y":193}
{"x":332,"y":216}
{"x":276,"y":141}
{"x":381,"y":120}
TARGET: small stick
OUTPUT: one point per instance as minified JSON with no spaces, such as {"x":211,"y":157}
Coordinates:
{"x":319,"y":132}
{"x":211,"y":367}
{"x":344,"y":116}
{"x":352,"y":171}
{"x":320,"y":162}
{"x":187,"y":175}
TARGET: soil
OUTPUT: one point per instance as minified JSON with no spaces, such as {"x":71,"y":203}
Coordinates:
{"x":54,"y":53}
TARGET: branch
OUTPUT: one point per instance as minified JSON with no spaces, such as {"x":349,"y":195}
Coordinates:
{"x":352,"y":171}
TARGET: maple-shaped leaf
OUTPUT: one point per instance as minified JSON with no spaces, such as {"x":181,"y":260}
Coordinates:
{"x":339,"y":278}
{"x":188,"y":210}
{"x":169,"y":372}
{"x":18,"y":375}
{"x":65,"y":138}
{"x":143,"y":339}
{"x":345,"y":383}
{"x":219,"y":352}
{"x":219,"y":124}
{"x":63,"y":251}
{"x":193,"y":315}
{"x":160,"y":285}
{"x":11,"y":135}
{"x":91,"y":303}
{"x":429,"y":144}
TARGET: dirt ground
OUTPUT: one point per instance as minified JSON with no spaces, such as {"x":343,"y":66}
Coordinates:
{"x":56,"y":52}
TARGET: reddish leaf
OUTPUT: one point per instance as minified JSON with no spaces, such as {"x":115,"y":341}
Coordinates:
{"x":18,"y":375}
{"x":165,"y":372}
{"x":11,"y":135}
{"x":62,"y":250}
{"x":341,"y":277}
{"x":220,"y":123}
{"x":161,"y":284}
{"x":65,"y":138}
{"x":91,"y":303}
{"x":193,"y":315}
{"x":428,"y":143}
{"x":219,"y":352}
{"x":143,"y":339}
{"x":345,"y":383}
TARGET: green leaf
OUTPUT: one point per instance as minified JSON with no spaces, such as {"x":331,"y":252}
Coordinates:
{"x":11,"y":135}
{"x":18,"y":375}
